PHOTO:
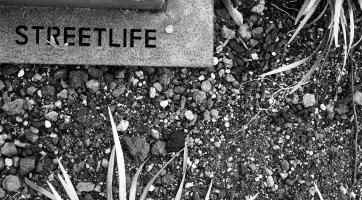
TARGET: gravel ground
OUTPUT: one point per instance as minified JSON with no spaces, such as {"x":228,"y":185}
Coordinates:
{"x":247,"y":134}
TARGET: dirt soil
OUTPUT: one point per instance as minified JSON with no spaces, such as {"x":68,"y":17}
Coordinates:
{"x":245,"y":133}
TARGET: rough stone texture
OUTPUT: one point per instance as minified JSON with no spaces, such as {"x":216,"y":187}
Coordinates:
{"x":138,"y":147}
{"x":9,"y":149}
{"x":85,"y":186}
{"x":158,"y":149}
{"x":14,"y":107}
{"x":309,"y":100}
{"x":11,"y":183}
{"x":189,"y":45}
{"x":77,"y":78}
{"x":26,"y":165}
{"x":2,"y":163}
{"x":175,"y":142}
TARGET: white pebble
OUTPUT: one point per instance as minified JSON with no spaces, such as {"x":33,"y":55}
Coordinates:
{"x":152,"y":92}
{"x":123,"y":125}
{"x":8,"y":162}
{"x":189,"y":115}
{"x":169,"y":29}
{"x":21,"y":73}
{"x":216,"y":61}
{"x":188,"y":185}
{"x":254,"y":56}
{"x":47,"y":124}
{"x":164,"y":103}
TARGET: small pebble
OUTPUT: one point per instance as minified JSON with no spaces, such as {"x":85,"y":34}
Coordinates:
{"x":123,"y":125}
{"x":21,"y":73}
{"x":47,"y":124}
{"x":169,"y":29}
{"x":269,"y":181}
{"x":164,"y":103}
{"x":206,"y":86}
{"x":309,"y":100}
{"x":189,"y":115}
{"x":152,"y":92}
{"x":216,"y":61}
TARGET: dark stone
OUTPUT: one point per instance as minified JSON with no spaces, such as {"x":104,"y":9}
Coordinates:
{"x":175,"y":142}
{"x":26,"y":165}
{"x":137,"y":147}
{"x":95,"y":72}
{"x":61,"y":74}
{"x":235,"y":46}
{"x":9,"y":70}
{"x":48,"y":91}
{"x":77,"y":78}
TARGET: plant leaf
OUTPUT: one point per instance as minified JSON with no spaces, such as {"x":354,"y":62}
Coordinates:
{"x":338,"y":9}
{"x":110,"y":174}
{"x":234,"y":13}
{"x":149,"y":184}
{"x":318,"y":191}
{"x":360,"y":4}
{"x":307,"y":75}
{"x":351,"y":24}
{"x":133,"y":189}
{"x":39,"y":189}
{"x":304,"y":21}
{"x":309,"y":7}
{"x":55,"y":193}
{"x":120,"y":160}
{"x":184,"y":167}
{"x":287,"y":67}
{"x":207,"y":197}
{"x":67,"y":184}
{"x":301,"y":11}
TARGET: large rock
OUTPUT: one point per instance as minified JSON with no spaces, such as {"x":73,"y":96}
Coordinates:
{"x":77,"y":78}
{"x":14,"y":107}
{"x":175,"y":142}
{"x":85,"y":186}
{"x":26,"y":165}
{"x":93,"y":85}
{"x":138,"y":147}
{"x":9,"y":149}
{"x":309,"y":100}
{"x":159,"y":149}
{"x":11,"y":183}
{"x":199,"y":96}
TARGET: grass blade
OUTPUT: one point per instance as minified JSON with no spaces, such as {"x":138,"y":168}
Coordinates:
{"x":67,"y":188}
{"x":309,"y":7}
{"x":343,"y":24}
{"x":318,"y":192}
{"x":234,"y":13}
{"x":207,"y":197}
{"x":133,"y":190}
{"x":120,"y":160}
{"x":67,"y":184}
{"x":254,"y":197}
{"x":184,"y":167}
{"x":307,"y":75}
{"x":39,"y":189}
{"x":304,"y":21}
{"x":301,"y":11}
{"x":56,"y":195}
{"x":351,"y":24}
{"x":360,"y":4}
{"x":286,"y":67}
{"x":110,"y":174}
{"x":147,"y":188}
{"x":338,"y":8}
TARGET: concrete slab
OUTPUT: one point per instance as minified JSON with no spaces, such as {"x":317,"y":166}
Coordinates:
{"x":78,"y":36}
